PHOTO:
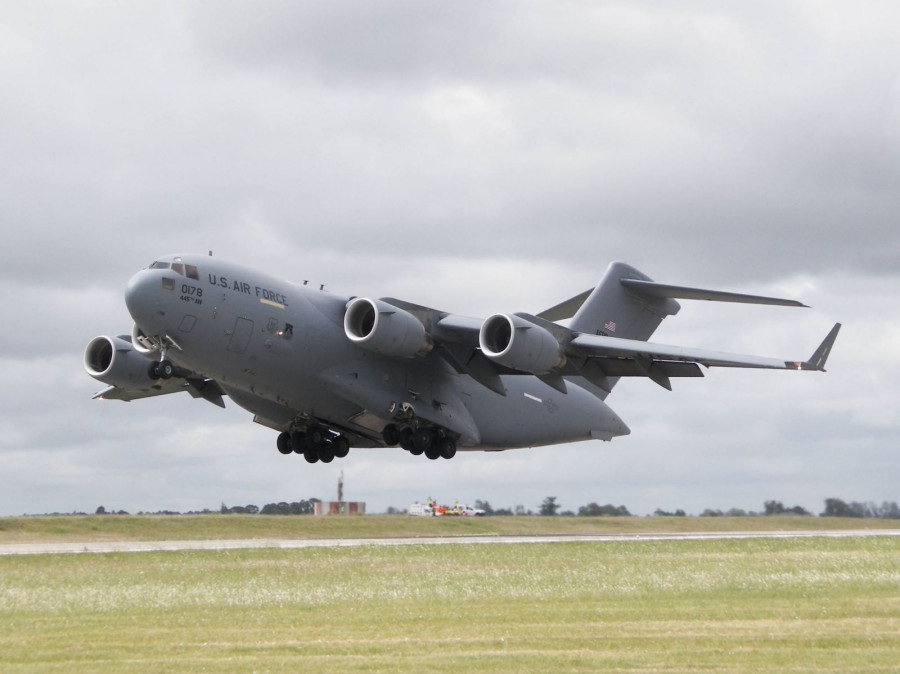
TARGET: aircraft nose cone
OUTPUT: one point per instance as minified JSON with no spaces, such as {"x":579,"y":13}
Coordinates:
{"x":141,"y":295}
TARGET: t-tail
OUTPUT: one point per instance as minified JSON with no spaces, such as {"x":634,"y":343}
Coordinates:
{"x":626,"y":308}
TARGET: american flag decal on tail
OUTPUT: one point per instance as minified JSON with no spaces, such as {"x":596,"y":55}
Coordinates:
{"x":610,"y":325}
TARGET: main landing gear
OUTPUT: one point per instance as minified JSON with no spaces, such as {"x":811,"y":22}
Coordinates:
{"x":422,"y":440}
{"x":315,"y":444}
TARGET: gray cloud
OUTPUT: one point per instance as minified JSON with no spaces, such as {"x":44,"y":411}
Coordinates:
{"x":475,"y":158}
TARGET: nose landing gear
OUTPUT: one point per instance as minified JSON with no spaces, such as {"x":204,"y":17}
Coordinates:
{"x":162,"y":369}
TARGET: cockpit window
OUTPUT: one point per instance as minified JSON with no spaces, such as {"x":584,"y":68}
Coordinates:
{"x":178,"y":267}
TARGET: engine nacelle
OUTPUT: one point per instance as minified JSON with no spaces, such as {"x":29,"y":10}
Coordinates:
{"x":116,"y":362}
{"x":383,"y":328}
{"x":518,"y":344}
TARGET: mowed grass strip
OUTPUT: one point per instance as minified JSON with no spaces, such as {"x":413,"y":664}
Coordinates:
{"x":763,"y":605}
{"x":69,"y":528}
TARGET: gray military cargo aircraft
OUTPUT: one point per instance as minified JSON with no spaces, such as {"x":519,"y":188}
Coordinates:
{"x":330,"y":372}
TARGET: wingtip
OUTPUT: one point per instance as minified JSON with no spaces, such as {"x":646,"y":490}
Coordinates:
{"x":820,"y":356}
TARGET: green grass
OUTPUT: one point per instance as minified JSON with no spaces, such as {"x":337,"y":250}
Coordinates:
{"x":188,"y":527}
{"x":761,"y":605}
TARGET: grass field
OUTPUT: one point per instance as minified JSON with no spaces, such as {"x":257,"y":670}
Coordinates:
{"x":762,"y":605}
{"x":187,"y":527}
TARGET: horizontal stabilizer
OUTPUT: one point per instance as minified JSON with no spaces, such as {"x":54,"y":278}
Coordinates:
{"x":567,"y":309}
{"x":662,"y":290}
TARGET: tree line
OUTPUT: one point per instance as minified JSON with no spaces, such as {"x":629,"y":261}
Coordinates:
{"x":834,"y":507}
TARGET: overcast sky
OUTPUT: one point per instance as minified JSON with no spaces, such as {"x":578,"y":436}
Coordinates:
{"x":476,"y":157}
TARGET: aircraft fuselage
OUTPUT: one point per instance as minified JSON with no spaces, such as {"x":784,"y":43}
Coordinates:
{"x":281,"y":351}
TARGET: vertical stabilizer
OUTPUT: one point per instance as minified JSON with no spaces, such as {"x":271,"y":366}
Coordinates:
{"x":613,"y":310}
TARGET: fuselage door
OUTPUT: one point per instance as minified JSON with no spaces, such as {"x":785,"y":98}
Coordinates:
{"x":240,"y":336}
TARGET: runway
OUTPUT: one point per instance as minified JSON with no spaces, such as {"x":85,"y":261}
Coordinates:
{"x":110,"y":547}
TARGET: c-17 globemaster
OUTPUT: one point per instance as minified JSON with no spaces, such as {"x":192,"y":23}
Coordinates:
{"x":330,"y":372}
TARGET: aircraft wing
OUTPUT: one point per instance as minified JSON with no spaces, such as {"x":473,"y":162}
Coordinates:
{"x":620,"y":357}
{"x":207,"y":389}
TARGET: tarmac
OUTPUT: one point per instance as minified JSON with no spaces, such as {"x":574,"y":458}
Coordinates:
{"x":112,"y":547}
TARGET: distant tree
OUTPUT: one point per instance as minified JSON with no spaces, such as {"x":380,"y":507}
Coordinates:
{"x":774,"y":507}
{"x":659,"y":512}
{"x":485,"y":506}
{"x":100,"y":511}
{"x":608,"y":510}
{"x":712,"y":513}
{"x":549,"y":507}
{"x":777,"y":508}
{"x":890,"y":511}
{"x":835,"y":507}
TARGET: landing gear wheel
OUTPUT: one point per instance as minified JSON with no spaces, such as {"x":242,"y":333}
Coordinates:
{"x":298,"y":442}
{"x":447,"y":448}
{"x":326,"y":453}
{"x":284,"y":443}
{"x":341,"y":446}
{"x":390,"y":435}
{"x":310,"y":455}
{"x":406,"y":440}
{"x":433,"y":452}
{"x":153,"y":370}
{"x":166,"y":369}
{"x":423,"y":439}
{"x":315,"y":438}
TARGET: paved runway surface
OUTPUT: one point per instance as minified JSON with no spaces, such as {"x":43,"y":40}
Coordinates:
{"x":106,"y":547}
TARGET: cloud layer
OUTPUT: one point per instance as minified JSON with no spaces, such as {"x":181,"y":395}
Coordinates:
{"x":477,"y":159}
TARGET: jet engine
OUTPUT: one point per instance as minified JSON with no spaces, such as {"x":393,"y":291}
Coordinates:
{"x":383,"y":328}
{"x":519,"y":344}
{"x":116,"y":362}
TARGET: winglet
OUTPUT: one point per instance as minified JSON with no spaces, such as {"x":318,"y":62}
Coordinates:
{"x":817,"y":360}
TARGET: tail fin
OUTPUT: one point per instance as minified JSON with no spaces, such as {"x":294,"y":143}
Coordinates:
{"x":614,"y":310}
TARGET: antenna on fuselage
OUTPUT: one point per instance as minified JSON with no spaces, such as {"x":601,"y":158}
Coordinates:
{"x":210,"y":253}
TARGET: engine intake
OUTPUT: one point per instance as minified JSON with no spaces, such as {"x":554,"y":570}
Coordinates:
{"x":116,"y":362}
{"x":519,"y":344}
{"x":383,"y":328}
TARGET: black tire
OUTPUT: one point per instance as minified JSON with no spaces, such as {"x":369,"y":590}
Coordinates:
{"x":447,"y":447}
{"x":423,"y":438}
{"x":315,"y":438}
{"x":326,"y":453}
{"x":391,"y":435}
{"x":166,"y":369}
{"x":298,"y":442}
{"x":341,"y":446}
{"x":433,"y":452}
{"x":310,"y":455}
{"x":406,"y":440}
{"x":284,"y":443}
{"x":153,"y":370}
